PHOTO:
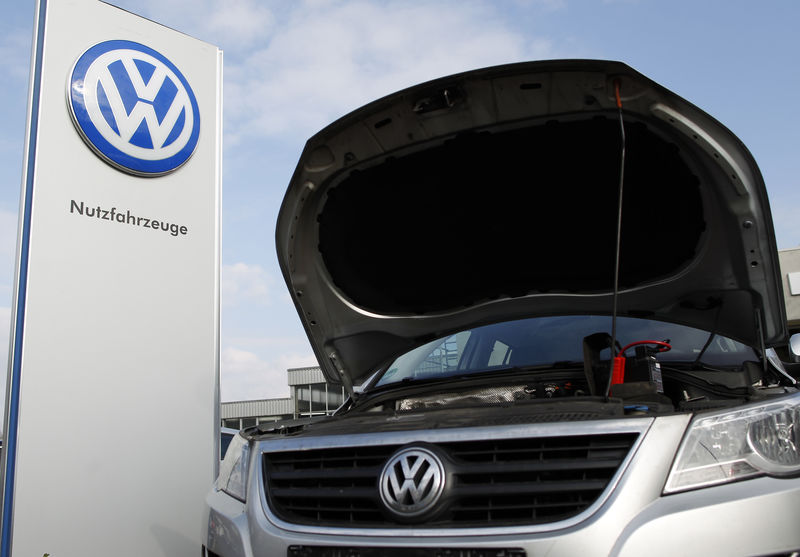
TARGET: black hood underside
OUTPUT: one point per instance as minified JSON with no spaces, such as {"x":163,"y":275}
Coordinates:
{"x":493,"y":195}
{"x":487,"y":199}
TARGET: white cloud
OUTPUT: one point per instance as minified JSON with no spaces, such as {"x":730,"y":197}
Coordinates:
{"x":15,"y":55}
{"x":285,"y":341}
{"x":246,"y":376}
{"x":787,"y":226}
{"x":5,"y":325}
{"x":8,"y":247}
{"x":8,"y":234}
{"x":325,"y":58}
{"x":239,"y":23}
{"x":245,"y":283}
{"x":292,"y":67}
{"x":546,"y":5}
{"x":231,"y":24}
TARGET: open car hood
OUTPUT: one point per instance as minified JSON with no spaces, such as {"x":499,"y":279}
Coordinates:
{"x":492,"y":195}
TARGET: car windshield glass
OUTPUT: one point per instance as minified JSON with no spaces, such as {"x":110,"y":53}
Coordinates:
{"x":555,"y":341}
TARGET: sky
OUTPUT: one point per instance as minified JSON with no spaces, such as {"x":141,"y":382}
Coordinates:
{"x":290,"y":68}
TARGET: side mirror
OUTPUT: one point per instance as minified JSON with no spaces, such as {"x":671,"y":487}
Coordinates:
{"x":794,"y":347}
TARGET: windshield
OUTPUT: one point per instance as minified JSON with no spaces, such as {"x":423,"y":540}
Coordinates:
{"x":555,"y":341}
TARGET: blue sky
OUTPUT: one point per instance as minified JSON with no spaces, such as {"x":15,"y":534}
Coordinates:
{"x":292,"y":67}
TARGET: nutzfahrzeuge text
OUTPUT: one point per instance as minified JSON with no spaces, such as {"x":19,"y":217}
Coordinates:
{"x":115,"y":215}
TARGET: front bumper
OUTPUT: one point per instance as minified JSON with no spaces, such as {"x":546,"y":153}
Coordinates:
{"x":747,"y":518}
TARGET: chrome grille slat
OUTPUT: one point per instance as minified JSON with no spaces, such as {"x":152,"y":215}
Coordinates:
{"x":371,"y":472}
{"x":541,"y":466}
{"x":322,"y":492}
{"x":491,"y":490}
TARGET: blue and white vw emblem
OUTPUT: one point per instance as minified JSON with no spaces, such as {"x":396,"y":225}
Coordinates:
{"x":134,"y":108}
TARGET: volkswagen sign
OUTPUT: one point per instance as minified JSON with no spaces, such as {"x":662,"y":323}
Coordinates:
{"x":134,"y":108}
{"x":412,"y":482}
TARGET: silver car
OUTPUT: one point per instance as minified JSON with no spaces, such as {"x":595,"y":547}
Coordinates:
{"x":552,"y":292}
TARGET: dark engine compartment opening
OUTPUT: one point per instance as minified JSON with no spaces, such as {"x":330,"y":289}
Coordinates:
{"x":565,"y":394}
{"x":504,"y":214}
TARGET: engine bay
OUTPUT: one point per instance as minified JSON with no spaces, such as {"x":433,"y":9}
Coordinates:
{"x":645,"y":387}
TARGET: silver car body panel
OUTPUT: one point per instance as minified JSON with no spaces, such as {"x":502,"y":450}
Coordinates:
{"x":753,"y":517}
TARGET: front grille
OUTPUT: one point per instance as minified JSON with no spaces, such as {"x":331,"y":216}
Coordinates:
{"x":500,"y":482}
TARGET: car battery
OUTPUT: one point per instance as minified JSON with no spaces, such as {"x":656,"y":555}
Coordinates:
{"x":638,"y":375}
{"x":643,"y":367}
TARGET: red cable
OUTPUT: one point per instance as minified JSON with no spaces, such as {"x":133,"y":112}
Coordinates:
{"x":664,"y":346}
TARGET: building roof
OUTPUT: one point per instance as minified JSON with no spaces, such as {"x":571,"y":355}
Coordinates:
{"x":305,"y":375}
{"x":790,"y":269}
{"x":257,"y":408}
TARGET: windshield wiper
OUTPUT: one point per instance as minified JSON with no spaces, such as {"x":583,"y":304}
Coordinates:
{"x":561,"y":364}
{"x":478,"y":373}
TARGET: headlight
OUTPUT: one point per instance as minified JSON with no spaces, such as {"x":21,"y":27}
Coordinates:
{"x":733,"y":445}
{"x":232,"y":477}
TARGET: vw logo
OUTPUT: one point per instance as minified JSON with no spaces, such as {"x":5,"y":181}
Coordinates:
{"x":134,"y":108}
{"x":412,"y":482}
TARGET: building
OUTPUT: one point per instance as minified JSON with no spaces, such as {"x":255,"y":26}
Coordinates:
{"x":309,"y":395}
{"x":790,"y":270}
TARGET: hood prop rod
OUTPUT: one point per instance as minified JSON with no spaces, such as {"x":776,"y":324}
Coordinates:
{"x":614,"y":353}
{"x":346,"y":382}
{"x":761,"y":344}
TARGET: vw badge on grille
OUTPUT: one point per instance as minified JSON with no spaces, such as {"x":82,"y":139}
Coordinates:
{"x":134,"y":108}
{"x":412,"y":482}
